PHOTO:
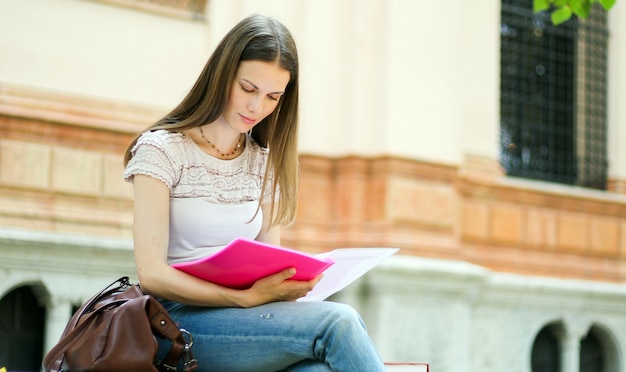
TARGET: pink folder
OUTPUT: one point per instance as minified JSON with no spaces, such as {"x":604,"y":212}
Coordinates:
{"x":244,"y":261}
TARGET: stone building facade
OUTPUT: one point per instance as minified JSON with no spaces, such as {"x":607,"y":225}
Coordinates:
{"x":399,"y":147}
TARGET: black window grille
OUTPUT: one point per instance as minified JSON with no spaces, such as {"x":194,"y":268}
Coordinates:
{"x":553,"y":96}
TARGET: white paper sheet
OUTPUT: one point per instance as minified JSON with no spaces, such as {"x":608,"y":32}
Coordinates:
{"x":350,"y":264}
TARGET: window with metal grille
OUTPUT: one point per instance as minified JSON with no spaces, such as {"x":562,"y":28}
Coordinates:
{"x":553,"y":96}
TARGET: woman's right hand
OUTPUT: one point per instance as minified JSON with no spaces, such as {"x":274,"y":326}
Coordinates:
{"x":279,"y":287}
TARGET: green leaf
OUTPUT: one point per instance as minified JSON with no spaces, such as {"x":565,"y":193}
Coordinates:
{"x":607,"y":4}
{"x":581,"y":7}
{"x":559,"y":3}
{"x":560,"y":15}
{"x":540,"y":5}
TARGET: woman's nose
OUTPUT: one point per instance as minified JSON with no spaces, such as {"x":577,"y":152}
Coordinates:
{"x":255,"y":105}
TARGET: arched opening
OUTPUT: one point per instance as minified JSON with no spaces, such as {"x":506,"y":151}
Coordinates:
{"x":546,"y":352}
{"x":591,"y":353}
{"x":22,"y":321}
{"x":599,"y":351}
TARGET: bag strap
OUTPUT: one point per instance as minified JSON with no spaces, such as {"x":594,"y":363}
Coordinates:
{"x":87,"y":307}
{"x":163,"y":324}
{"x":55,"y":355}
{"x":159,"y":320}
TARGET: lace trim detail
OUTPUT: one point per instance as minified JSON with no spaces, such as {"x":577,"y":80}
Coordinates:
{"x":176,"y":160}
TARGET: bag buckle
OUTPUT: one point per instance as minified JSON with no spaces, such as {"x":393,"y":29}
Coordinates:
{"x":189,"y":362}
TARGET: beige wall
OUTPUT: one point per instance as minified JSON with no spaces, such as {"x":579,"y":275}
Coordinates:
{"x":383,"y":77}
{"x":442,"y":79}
{"x":379,"y":82}
{"x":377,"y":78}
{"x":99,"y":50}
{"x":417,"y":85}
{"x":617,"y":94}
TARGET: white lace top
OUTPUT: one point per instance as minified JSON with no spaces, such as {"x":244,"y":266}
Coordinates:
{"x":212,"y":201}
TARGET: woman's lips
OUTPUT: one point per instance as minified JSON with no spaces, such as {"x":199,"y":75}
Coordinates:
{"x":247,"y":120}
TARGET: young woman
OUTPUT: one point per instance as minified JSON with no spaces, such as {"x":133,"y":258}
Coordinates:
{"x":204,"y":175}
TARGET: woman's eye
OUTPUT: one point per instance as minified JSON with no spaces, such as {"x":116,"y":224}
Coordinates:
{"x":273,"y":98}
{"x":245,"y":89}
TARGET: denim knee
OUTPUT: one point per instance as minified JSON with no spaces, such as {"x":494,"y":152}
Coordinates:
{"x":344,"y":320}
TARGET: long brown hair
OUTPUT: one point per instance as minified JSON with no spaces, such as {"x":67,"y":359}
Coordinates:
{"x":254,"y":38}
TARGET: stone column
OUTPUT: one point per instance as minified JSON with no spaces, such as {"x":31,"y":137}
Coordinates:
{"x":58,"y":314}
{"x":570,"y":345}
{"x":616,"y":111}
{"x":570,"y":352}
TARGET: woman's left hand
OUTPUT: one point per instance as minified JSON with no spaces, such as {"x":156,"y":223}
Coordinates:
{"x":279,"y":287}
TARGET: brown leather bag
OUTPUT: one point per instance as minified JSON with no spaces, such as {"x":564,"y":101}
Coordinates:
{"x":117,"y":330}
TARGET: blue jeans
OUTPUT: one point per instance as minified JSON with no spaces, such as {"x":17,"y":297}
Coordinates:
{"x":281,"y":336}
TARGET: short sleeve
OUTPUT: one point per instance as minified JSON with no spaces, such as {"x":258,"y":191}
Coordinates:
{"x":151,"y":157}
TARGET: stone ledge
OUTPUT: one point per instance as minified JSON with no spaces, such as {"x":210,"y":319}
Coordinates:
{"x":76,"y":110}
{"x":45,"y":239}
